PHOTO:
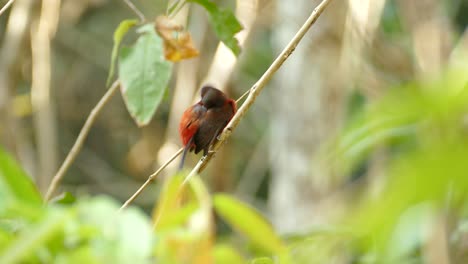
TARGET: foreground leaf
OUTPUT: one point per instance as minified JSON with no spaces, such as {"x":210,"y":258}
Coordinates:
{"x":15,"y":185}
{"x":144,"y":74}
{"x":119,"y":34}
{"x":122,"y":237}
{"x":169,"y":202}
{"x":249,"y":222}
{"x":224,"y":23}
{"x":225,"y":254}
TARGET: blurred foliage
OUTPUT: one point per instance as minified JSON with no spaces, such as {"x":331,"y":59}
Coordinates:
{"x":426,"y":122}
{"x":93,"y":230}
{"x":424,"y":181}
{"x":224,"y":23}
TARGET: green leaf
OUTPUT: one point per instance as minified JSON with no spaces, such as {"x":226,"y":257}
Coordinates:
{"x":430,"y":174}
{"x":144,"y":75}
{"x":224,"y":23}
{"x":34,"y":237}
{"x":225,"y":254}
{"x":262,"y":260}
{"x":65,"y":198}
{"x":249,"y":222}
{"x":169,"y":201}
{"x":77,"y":256}
{"x":15,"y":185}
{"x":119,"y":34}
{"x":179,"y":217}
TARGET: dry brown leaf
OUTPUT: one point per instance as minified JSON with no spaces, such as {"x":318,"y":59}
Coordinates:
{"x":178,"y":43}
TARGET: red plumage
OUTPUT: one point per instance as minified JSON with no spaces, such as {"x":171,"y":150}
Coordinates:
{"x":204,"y":121}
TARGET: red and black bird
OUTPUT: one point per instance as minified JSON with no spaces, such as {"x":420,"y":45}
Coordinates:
{"x":204,"y":121}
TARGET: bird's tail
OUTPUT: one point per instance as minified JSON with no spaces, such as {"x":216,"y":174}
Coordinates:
{"x":184,"y":154}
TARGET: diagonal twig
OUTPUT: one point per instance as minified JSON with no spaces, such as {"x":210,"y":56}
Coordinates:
{"x":150,"y":179}
{"x":6,"y":6}
{"x":135,"y":10}
{"x":80,"y":140}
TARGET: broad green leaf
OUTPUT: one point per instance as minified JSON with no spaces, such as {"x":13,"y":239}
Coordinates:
{"x":179,"y":217}
{"x":119,"y":34}
{"x":15,"y":185}
{"x":225,"y":254}
{"x":224,"y":23}
{"x":34,"y":237}
{"x":144,"y":75}
{"x":169,"y":201}
{"x":64,"y":199}
{"x":249,"y":222}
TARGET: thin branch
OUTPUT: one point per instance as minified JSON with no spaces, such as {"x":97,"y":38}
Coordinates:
{"x":150,"y":179}
{"x":44,"y":116}
{"x":80,"y":140}
{"x":135,"y":10}
{"x":6,"y":6}
{"x":259,"y":85}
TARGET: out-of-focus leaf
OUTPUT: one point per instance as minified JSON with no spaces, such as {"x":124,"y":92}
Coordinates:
{"x":144,"y":75}
{"x":5,"y":237}
{"x":249,"y":222}
{"x":128,"y":234}
{"x":225,"y":254}
{"x":64,"y":199}
{"x":177,"y":218}
{"x":15,"y":185}
{"x":201,"y":222}
{"x":169,"y":201}
{"x":178,"y":43}
{"x":183,"y":220}
{"x":119,"y":34}
{"x":428,"y":175}
{"x":224,"y":23}
{"x":262,"y":260}
{"x":429,"y":171}
{"x":412,"y":230}
{"x":78,"y":256}
{"x":35,"y":236}
{"x":404,"y":112}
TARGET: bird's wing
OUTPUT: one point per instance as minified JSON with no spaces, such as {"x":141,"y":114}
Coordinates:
{"x":190,"y":122}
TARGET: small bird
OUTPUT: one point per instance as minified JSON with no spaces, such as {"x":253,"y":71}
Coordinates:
{"x":204,"y":121}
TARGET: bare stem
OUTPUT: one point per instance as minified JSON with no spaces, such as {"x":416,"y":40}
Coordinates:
{"x":135,"y":10}
{"x":6,"y":6}
{"x":80,"y":140}
{"x":150,"y":179}
{"x":259,"y":85}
